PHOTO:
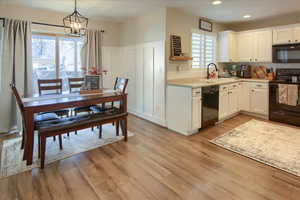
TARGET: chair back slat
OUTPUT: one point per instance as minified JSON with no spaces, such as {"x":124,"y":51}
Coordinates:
{"x":75,"y":83}
{"x":18,"y":97}
{"x":50,"y":84}
{"x":121,"y":84}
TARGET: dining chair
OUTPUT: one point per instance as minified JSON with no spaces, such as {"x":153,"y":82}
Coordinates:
{"x":52,"y":86}
{"x":74,"y":86}
{"x":120,"y":86}
{"x":38,"y":119}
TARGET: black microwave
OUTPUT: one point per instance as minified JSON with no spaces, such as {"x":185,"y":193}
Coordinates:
{"x":289,"y":53}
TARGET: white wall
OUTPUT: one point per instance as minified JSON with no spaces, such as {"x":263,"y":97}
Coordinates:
{"x":111,"y":38}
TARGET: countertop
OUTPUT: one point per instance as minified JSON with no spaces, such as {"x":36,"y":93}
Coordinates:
{"x":197,"y":82}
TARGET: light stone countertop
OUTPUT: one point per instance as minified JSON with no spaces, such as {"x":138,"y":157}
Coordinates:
{"x":198,"y":82}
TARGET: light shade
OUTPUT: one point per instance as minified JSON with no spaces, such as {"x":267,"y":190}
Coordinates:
{"x":75,"y":23}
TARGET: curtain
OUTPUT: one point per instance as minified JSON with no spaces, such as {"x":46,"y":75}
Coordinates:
{"x":17,"y":66}
{"x":91,"y":52}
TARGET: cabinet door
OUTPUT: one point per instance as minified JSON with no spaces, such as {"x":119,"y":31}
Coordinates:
{"x":263,"y":46}
{"x":244,"y":99}
{"x":259,"y":101}
{"x":223,"y":104}
{"x":296,"y":34}
{"x":196,"y":112}
{"x":245,"y":47}
{"x":283,"y":35}
{"x":233,"y":101}
{"x":227,"y":46}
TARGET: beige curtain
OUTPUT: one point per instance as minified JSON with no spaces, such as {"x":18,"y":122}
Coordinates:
{"x":91,"y":55}
{"x":16,"y":67}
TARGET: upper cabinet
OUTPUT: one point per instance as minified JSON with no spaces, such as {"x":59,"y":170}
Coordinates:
{"x":286,"y":34}
{"x":227,"y":40}
{"x":254,"y":46}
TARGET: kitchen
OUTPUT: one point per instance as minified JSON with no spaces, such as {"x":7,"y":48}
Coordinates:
{"x":209,"y":101}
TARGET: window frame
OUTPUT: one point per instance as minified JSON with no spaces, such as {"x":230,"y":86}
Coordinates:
{"x":57,"y":38}
{"x":205,"y":33}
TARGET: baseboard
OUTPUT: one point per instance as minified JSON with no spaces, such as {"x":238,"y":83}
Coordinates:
{"x":149,"y":118}
{"x":245,"y":113}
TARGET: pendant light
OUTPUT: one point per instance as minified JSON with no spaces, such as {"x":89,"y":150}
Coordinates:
{"x":75,"y":24}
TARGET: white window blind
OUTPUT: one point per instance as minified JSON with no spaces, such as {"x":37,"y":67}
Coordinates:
{"x":203,"y":49}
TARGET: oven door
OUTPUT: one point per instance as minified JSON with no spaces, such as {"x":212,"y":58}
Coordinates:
{"x":286,"y":53}
{"x":282,"y":112}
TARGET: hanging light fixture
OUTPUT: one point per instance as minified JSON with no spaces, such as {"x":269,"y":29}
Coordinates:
{"x":75,"y":24}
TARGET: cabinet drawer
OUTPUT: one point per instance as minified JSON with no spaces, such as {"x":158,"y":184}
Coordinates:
{"x":196,"y":92}
{"x":259,"y":85}
{"x":224,"y":88}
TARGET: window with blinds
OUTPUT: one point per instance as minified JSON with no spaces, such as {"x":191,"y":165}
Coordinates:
{"x":203,"y":49}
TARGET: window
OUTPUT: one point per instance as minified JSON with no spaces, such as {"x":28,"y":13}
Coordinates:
{"x":203,"y":49}
{"x":55,"y":57}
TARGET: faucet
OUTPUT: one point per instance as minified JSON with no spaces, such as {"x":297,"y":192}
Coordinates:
{"x":208,"y":68}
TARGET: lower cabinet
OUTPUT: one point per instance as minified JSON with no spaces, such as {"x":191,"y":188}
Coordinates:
{"x":196,"y":112}
{"x":259,"y":98}
{"x":228,"y":100}
{"x":184,"y":109}
{"x":243,"y":96}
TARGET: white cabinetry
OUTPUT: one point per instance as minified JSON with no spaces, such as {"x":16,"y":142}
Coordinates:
{"x":254,"y":46}
{"x":286,"y":34}
{"x":227,"y":46}
{"x":184,"y":109}
{"x":250,"y":97}
{"x":259,"y":98}
{"x":228,"y":100}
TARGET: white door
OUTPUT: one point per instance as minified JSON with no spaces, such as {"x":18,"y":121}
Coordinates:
{"x":244,"y":99}
{"x":233,"y":101}
{"x":148,"y":61}
{"x":139,"y":79}
{"x":283,"y":35}
{"x":245,"y":47}
{"x":223,"y":104}
{"x":259,"y":101}
{"x":263,"y":46}
{"x":196,"y":112}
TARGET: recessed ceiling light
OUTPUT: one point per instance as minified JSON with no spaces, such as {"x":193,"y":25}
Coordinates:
{"x":247,"y":16}
{"x":216,"y":2}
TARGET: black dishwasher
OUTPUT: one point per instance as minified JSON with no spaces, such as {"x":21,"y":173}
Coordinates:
{"x":210,"y":106}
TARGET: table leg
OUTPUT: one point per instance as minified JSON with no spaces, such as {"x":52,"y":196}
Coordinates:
{"x":29,"y":124}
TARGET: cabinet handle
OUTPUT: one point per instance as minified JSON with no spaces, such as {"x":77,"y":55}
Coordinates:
{"x":253,"y":90}
{"x":296,"y":40}
{"x":255,"y":59}
{"x":259,"y":85}
{"x":289,"y":40}
{"x":250,"y":59}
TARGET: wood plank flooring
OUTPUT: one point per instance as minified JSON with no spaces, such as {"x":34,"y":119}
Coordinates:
{"x":156,"y":164}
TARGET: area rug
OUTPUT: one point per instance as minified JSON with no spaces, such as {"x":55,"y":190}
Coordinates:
{"x":271,"y":144}
{"x":11,"y":155}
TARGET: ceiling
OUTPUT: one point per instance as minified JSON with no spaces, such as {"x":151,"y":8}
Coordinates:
{"x":229,"y":11}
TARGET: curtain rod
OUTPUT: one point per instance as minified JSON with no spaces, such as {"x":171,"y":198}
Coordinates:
{"x":44,"y":24}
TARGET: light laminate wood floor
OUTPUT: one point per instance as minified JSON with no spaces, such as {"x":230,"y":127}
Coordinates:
{"x":156,"y":164}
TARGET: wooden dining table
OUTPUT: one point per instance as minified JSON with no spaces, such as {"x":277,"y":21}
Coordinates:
{"x":49,"y":103}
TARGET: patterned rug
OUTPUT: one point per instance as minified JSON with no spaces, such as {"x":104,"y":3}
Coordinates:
{"x":271,"y":144}
{"x":11,"y":156}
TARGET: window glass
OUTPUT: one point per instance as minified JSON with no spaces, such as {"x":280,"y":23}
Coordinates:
{"x":46,"y":66}
{"x":43,"y":59}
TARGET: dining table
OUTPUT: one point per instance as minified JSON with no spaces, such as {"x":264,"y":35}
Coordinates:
{"x":49,"y":103}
